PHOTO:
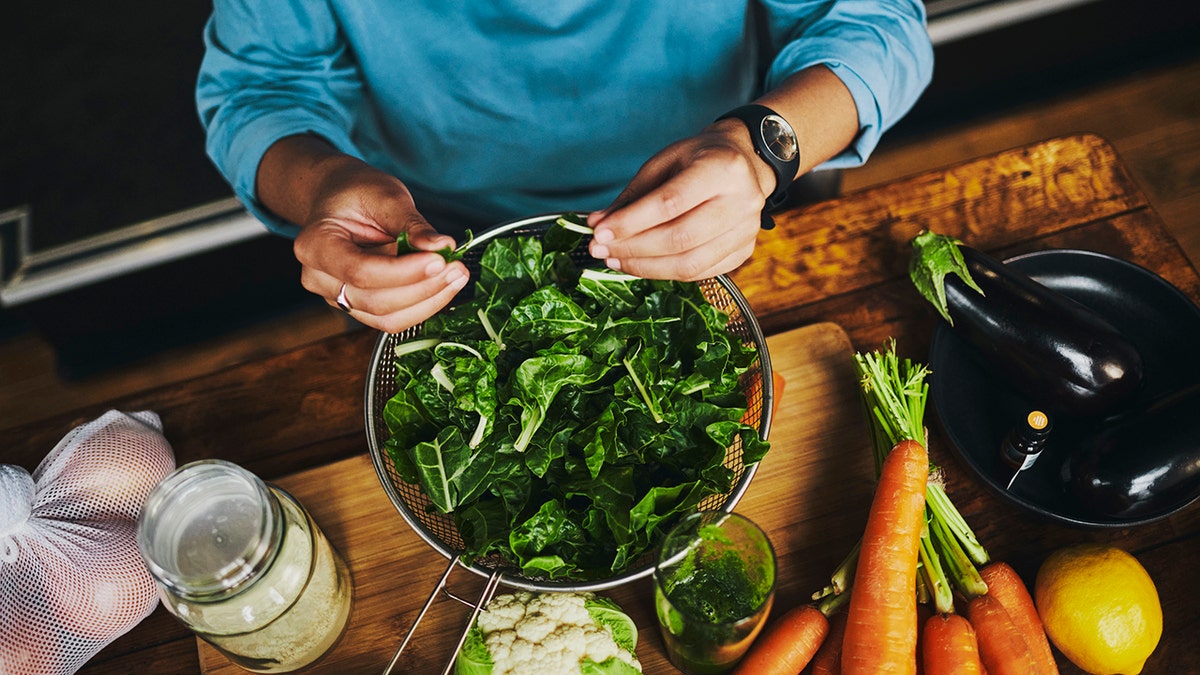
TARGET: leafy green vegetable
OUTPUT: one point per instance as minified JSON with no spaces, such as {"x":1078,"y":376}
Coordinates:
{"x":935,"y":256}
{"x":449,"y":253}
{"x":566,"y":417}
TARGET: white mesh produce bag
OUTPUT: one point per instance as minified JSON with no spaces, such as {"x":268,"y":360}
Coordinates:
{"x":71,"y":579}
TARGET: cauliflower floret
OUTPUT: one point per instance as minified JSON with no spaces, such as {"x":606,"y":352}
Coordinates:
{"x":546,"y":633}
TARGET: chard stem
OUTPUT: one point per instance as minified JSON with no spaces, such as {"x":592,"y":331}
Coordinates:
{"x":567,"y":224}
{"x":467,"y":348}
{"x":415,"y":346}
{"x":480,"y":429}
{"x":487,"y":327}
{"x":637,"y":382}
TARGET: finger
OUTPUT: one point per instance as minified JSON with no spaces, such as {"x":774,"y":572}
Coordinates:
{"x":697,"y":187}
{"x":422,"y":236}
{"x":693,"y":266}
{"x":328,"y":248}
{"x":410,"y":316}
{"x":382,"y":302}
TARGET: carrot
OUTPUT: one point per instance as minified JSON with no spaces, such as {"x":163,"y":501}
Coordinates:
{"x":1006,"y":586}
{"x":1002,"y":648}
{"x":881,"y":628}
{"x":949,"y":646}
{"x":787,"y":645}
{"x":923,"y":613}
{"x":828,"y":660}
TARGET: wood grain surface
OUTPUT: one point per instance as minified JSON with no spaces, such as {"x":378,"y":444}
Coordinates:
{"x":810,"y":494}
{"x":842,"y":261}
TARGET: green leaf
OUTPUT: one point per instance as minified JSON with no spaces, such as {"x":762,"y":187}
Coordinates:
{"x":450,"y":253}
{"x":473,"y":658}
{"x":538,"y":380}
{"x":610,"y":666}
{"x":935,"y":256}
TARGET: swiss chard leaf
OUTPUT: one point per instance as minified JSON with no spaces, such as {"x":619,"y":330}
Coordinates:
{"x":449,"y":253}
{"x":537,"y":381}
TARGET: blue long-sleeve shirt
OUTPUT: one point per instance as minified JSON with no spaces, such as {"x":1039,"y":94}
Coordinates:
{"x":495,"y":110}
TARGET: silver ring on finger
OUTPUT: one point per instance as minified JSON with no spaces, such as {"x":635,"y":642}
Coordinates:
{"x":342,"y":302}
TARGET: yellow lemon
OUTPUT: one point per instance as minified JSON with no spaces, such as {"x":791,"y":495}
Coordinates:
{"x":1099,"y":607}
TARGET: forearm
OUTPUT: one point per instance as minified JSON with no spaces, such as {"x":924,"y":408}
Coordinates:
{"x":821,"y":111}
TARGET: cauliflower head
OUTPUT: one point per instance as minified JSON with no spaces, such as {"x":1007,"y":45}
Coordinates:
{"x":550,"y":634}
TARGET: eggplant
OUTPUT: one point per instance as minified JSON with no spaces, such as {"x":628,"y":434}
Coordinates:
{"x":1144,"y":466}
{"x":1056,"y":352}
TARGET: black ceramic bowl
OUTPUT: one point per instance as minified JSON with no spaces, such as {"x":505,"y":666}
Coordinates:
{"x":976,"y":408}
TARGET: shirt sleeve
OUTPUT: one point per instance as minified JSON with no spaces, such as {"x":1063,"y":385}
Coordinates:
{"x":272,"y":69}
{"x":880,"y":49}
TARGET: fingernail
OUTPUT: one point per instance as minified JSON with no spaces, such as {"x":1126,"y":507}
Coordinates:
{"x":434,"y":267}
{"x":603,"y":235}
{"x":457,"y":280}
{"x":613,"y":264}
{"x":599,"y":251}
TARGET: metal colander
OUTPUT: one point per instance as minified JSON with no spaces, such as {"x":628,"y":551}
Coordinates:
{"x":440,"y":531}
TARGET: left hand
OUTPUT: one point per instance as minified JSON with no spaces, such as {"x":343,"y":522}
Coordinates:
{"x":693,"y":211}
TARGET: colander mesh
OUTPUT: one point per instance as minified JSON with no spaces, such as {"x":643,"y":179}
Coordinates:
{"x":440,"y":531}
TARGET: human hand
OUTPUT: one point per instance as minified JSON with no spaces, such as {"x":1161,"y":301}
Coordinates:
{"x":347,"y":250}
{"x":693,"y":210}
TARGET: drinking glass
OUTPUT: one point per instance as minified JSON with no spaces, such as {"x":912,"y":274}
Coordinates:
{"x":714,"y":583}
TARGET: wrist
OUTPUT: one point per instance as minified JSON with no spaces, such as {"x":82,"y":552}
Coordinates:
{"x":739,"y":136}
{"x":774,"y":143}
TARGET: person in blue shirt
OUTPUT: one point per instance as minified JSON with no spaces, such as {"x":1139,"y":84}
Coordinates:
{"x":343,"y":123}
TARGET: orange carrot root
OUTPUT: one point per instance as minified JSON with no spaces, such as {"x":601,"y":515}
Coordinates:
{"x":1006,"y":586}
{"x":787,"y":645}
{"x":828,"y":660}
{"x":1002,"y":648}
{"x":924,"y":611}
{"x":881,"y":626}
{"x":949,"y":646}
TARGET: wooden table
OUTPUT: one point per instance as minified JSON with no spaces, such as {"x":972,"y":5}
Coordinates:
{"x":842,"y":261}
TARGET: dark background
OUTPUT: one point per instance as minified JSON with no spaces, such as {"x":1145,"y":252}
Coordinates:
{"x":99,"y":131}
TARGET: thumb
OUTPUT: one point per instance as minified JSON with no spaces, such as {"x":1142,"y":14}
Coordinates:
{"x":423,"y":236}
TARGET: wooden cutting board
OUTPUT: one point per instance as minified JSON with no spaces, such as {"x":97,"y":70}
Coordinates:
{"x":811,"y":494}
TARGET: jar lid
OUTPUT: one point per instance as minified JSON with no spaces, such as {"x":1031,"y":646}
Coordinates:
{"x":208,"y":529}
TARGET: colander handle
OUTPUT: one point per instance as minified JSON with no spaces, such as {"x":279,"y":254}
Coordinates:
{"x":488,"y":591}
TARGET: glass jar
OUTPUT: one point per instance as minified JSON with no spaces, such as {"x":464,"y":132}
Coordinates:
{"x":714,"y":585}
{"x":243,"y":565}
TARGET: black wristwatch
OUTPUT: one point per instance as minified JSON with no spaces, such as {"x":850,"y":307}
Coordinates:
{"x":775,"y":142}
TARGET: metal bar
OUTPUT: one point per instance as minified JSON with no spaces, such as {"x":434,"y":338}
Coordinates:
{"x":173,"y":237}
{"x":412,"y":629}
{"x":484,"y":598}
{"x":951,"y":20}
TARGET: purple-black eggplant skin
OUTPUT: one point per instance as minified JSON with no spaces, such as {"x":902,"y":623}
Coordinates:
{"x":1144,"y":466}
{"x":1056,"y":352}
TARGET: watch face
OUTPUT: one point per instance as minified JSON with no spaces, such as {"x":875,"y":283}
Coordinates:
{"x":779,"y":138}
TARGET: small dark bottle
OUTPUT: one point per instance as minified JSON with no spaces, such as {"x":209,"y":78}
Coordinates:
{"x":1025,"y":441}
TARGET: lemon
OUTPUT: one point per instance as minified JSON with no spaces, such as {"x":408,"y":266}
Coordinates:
{"x":1099,"y":607}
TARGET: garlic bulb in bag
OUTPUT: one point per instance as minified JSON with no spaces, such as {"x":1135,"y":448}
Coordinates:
{"x":71,"y":578}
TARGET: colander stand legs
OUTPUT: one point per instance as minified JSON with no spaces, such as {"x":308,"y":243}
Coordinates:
{"x":488,"y":591}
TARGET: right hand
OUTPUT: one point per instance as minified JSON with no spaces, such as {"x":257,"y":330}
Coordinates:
{"x":349,"y":237}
